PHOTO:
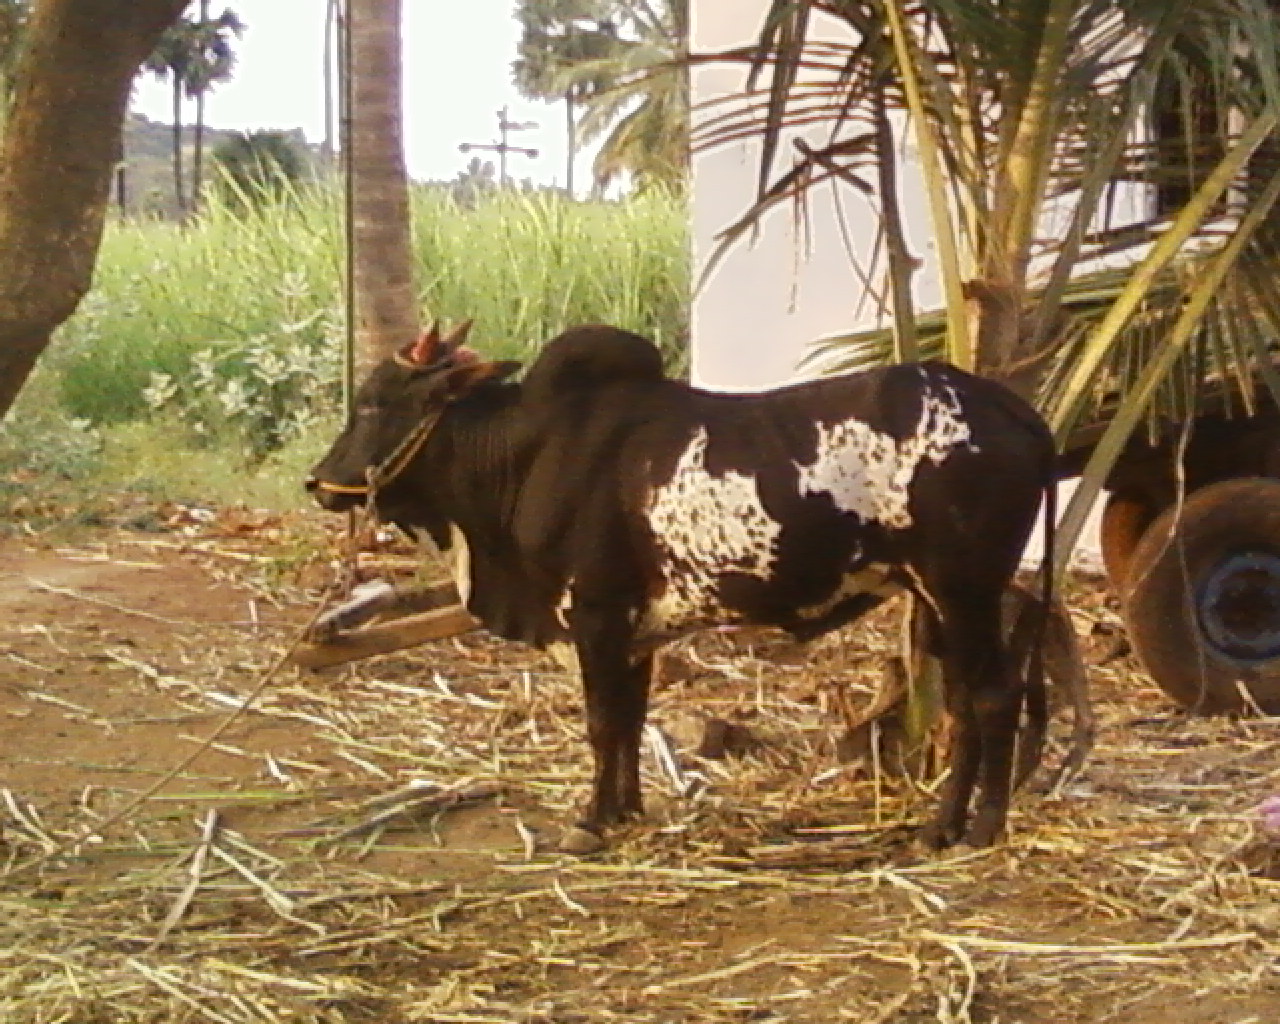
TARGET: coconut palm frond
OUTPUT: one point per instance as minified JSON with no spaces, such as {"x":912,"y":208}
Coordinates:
{"x":1088,"y":165}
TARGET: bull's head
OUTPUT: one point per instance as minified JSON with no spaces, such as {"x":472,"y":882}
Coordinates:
{"x":394,"y":412}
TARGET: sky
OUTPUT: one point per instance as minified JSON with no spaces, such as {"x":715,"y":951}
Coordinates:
{"x":457,"y":69}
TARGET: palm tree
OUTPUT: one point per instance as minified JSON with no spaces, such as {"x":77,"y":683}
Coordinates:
{"x":1029,"y":117}
{"x":621,"y":62}
{"x":212,"y":62}
{"x":383,"y":281}
{"x":643,"y":112}
{"x":556,"y":35}
{"x":194,"y":55}
{"x":171,"y":61}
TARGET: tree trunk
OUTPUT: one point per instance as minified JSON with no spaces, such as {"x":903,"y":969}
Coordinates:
{"x":197,"y":153}
{"x":197,"y":135}
{"x":178,"y":191}
{"x":386,"y":301}
{"x":61,"y":142}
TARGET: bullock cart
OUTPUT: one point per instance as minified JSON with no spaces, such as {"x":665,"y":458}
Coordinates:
{"x":1190,"y":538}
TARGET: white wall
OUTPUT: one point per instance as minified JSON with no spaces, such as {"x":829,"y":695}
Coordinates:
{"x":777,"y":293}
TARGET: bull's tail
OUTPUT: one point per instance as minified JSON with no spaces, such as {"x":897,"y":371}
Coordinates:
{"x":1031,"y":744}
{"x":1046,"y":567}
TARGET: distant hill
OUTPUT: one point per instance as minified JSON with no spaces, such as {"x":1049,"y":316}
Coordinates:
{"x":148,"y":162}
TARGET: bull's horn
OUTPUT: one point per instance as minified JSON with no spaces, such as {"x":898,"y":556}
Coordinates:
{"x":422,"y":352}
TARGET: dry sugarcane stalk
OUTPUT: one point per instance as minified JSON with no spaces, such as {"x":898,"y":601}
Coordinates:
{"x":208,"y":835}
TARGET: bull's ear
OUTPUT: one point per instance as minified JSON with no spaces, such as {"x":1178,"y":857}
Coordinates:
{"x":457,"y":336}
{"x":462,"y":378}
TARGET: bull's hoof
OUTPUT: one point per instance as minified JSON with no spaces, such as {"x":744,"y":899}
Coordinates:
{"x":985,"y":830}
{"x":581,"y":840}
{"x":939,"y":835}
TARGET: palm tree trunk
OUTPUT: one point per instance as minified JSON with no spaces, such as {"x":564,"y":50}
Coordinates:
{"x":57,"y":155}
{"x":197,"y":153}
{"x":386,"y":303}
{"x":178,"y":191}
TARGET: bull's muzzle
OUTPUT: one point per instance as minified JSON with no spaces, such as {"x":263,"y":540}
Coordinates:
{"x":336,"y":497}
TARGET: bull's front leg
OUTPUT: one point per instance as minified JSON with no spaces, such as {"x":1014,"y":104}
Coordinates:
{"x":616,"y":694}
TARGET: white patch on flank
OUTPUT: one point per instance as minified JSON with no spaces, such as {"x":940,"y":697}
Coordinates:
{"x":869,"y":473}
{"x":705,"y":526}
{"x":460,"y":563}
{"x":870,"y":579}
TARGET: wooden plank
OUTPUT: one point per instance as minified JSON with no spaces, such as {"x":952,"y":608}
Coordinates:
{"x":385,"y":637}
{"x":381,"y":599}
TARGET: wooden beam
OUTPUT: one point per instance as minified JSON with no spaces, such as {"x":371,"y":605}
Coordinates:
{"x":385,"y":637}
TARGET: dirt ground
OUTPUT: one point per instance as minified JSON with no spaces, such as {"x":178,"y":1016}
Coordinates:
{"x":377,"y":843}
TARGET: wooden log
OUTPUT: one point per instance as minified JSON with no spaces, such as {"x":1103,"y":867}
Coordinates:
{"x":385,"y":637}
{"x":381,"y":599}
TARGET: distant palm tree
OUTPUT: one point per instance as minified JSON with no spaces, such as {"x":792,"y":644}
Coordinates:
{"x":621,"y":62}
{"x":555,"y":36}
{"x":192,"y":56}
{"x":171,"y":62}
{"x":213,"y":62}
{"x":643,"y":114}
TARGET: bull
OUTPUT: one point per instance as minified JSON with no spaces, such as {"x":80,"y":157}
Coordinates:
{"x":600,"y":501}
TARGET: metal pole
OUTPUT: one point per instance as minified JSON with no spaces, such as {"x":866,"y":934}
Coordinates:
{"x":502,"y":146}
{"x":345,"y":77}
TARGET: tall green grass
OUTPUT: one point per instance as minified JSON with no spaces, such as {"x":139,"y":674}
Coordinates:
{"x":523,"y":265}
{"x":204,"y":364}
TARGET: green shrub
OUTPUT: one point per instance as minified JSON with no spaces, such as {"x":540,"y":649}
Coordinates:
{"x":40,"y":437}
{"x":251,"y":168}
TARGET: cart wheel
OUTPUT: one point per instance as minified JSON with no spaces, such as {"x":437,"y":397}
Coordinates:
{"x":1202,"y":598}
{"x":1124,"y":521}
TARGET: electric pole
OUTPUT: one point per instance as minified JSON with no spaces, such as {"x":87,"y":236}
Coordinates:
{"x":503,"y":146}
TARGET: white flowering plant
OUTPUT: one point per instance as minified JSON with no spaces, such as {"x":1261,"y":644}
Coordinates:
{"x":266,"y":390}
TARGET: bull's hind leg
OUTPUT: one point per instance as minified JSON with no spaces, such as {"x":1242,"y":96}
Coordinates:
{"x":948,"y":825}
{"x":996,"y":701}
{"x":984,"y":703}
